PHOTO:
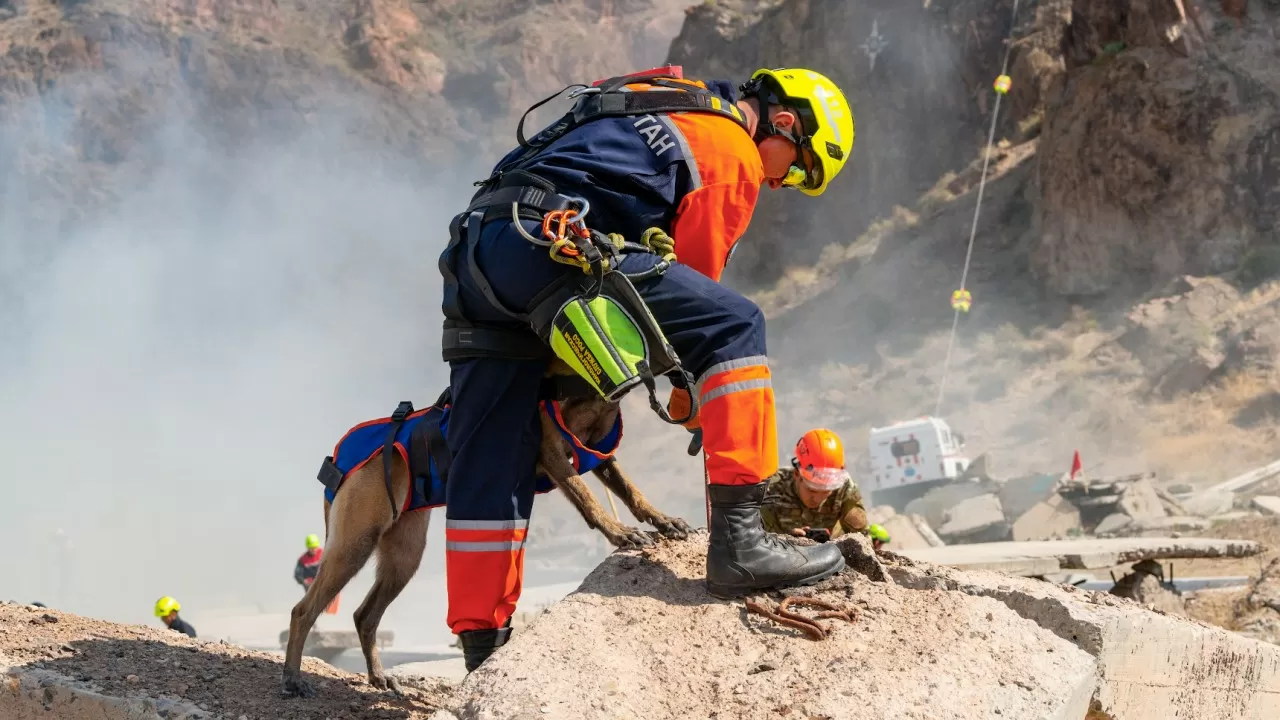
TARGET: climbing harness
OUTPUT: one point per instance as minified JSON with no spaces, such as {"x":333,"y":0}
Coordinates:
{"x":961,"y":300}
{"x":595,"y":321}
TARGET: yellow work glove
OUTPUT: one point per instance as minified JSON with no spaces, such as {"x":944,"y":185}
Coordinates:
{"x":659,"y":242}
{"x":678,"y":406}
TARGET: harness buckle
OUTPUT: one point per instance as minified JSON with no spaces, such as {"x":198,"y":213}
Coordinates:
{"x":403,"y":410}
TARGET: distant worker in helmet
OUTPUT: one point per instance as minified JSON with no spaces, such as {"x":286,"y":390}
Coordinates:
{"x":668,"y":169}
{"x":309,"y":562}
{"x":815,"y":497}
{"x":167,"y":610}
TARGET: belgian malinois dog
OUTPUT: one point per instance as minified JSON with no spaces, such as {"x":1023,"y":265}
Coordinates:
{"x":361,"y":519}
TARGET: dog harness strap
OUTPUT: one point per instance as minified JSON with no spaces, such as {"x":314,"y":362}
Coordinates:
{"x":403,"y":410}
{"x":330,"y":475}
{"x":439,"y":450}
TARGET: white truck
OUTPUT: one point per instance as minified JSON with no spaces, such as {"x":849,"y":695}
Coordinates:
{"x":910,"y":458}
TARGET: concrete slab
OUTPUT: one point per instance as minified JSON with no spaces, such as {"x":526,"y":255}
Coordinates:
{"x":904,"y":534}
{"x":972,"y":516}
{"x":1039,"y":558}
{"x":1054,"y":517}
{"x":1268,"y":504}
{"x":1151,"y":666}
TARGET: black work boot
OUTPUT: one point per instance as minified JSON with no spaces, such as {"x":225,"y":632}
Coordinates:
{"x":743,"y":558}
{"x":478,"y":645}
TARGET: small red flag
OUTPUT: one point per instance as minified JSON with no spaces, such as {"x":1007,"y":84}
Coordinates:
{"x":1075,"y":465}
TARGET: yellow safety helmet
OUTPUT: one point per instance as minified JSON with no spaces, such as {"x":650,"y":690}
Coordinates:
{"x":824,"y":113}
{"x":313,"y":541}
{"x":166,"y":605}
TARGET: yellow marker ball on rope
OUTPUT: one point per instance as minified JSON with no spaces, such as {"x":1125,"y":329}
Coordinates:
{"x":1003,"y":83}
{"x":961,"y":300}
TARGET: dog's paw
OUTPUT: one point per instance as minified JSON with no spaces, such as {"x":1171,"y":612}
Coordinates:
{"x":387,"y":683}
{"x":296,"y":687}
{"x":671,"y":527}
{"x":628,"y":538}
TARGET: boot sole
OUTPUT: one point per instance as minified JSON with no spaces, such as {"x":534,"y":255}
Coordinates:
{"x":725,"y":592}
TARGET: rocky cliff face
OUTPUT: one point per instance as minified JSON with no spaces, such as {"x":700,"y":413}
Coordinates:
{"x":919,"y":79}
{"x":86,"y":87}
{"x":1160,"y":154}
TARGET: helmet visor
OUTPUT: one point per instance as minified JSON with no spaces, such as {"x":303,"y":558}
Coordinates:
{"x":824,"y":479}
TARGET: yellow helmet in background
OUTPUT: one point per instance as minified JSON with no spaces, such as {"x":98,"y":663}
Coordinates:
{"x":166,"y":605}
{"x":313,"y":541}
{"x":825,"y":115}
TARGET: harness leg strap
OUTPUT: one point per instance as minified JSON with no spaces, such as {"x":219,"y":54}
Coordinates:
{"x":403,"y":410}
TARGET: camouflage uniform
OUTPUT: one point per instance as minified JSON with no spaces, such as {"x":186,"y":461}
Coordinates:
{"x":783,"y":511}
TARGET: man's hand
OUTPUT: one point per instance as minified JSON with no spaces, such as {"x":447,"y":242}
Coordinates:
{"x":679,"y":404}
{"x":800,"y":532}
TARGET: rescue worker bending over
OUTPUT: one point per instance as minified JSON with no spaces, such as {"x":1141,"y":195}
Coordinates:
{"x":815,"y":496}
{"x":650,"y":150}
{"x":309,"y":562}
{"x":167,"y":610}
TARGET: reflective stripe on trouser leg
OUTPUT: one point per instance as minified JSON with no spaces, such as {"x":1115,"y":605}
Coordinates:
{"x":485,"y":570}
{"x":739,"y":428}
{"x":493,"y":434}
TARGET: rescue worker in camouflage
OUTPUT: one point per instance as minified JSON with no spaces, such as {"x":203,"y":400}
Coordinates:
{"x":816,"y":493}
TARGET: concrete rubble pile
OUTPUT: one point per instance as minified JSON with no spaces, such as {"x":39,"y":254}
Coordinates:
{"x":980,"y":508}
{"x":1128,"y":506}
{"x":642,"y":639}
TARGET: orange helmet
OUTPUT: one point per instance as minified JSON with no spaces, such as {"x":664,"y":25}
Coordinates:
{"x":820,"y":460}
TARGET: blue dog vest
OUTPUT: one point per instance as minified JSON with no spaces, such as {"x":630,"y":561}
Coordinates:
{"x":420,"y":440}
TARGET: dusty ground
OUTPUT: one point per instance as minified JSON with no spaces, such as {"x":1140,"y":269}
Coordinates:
{"x":226,"y":680}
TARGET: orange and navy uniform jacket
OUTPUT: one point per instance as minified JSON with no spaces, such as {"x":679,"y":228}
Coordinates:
{"x":696,"y":175}
{"x":308,"y":565}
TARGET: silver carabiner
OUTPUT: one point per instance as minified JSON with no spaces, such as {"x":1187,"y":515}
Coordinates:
{"x":580,"y":218}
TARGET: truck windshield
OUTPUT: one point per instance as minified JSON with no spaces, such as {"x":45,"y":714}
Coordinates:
{"x":905,"y":448}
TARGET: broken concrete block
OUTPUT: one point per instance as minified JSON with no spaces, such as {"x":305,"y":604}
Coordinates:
{"x":1172,"y":506}
{"x":1210,"y":503}
{"x":1268,"y":504}
{"x":1150,"y":666}
{"x":904,"y":533}
{"x":1113,"y":523}
{"x":922,"y":526}
{"x":1140,"y":501}
{"x":935,"y":504}
{"x":660,"y":648}
{"x":1161,"y":527}
{"x":978,"y":519}
{"x":1054,"y":518}
{"x":1019,"y":495}
{"x":1051,"y":556}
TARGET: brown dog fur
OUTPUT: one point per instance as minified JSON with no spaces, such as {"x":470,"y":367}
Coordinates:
{"x":360,"y":521}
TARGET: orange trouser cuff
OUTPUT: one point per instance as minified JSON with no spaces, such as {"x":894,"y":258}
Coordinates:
{"x":739,"y":427}
{"x":484,"y":565}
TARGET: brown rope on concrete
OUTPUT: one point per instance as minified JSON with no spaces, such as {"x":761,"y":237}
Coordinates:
{"x":809,"y":626}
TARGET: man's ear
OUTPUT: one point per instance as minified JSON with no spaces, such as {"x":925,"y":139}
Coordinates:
{"x":783,"y":120}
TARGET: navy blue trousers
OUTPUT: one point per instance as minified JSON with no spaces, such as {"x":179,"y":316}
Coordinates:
{"x":494,"y":430}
